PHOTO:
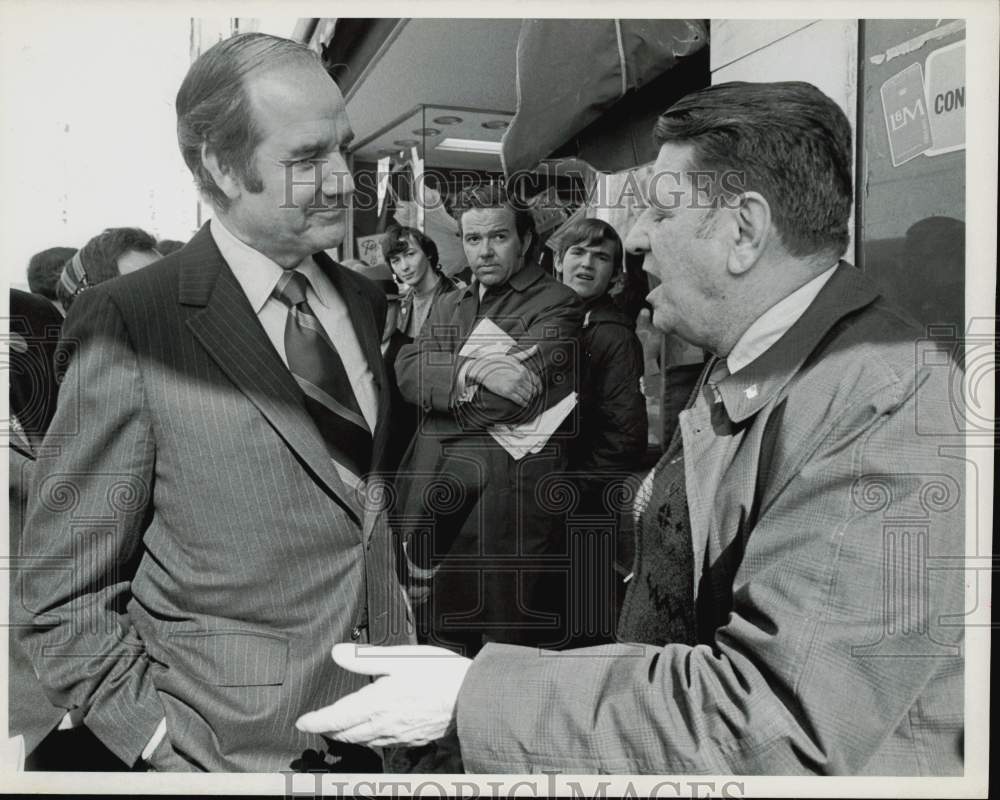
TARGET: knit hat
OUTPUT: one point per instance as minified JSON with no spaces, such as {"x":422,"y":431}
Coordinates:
{"x":74,"y":277}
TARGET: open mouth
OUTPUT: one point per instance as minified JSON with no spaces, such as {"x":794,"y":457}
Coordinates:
{"x":328,"y":214}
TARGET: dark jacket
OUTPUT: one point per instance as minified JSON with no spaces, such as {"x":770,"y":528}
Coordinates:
{"x":403,"y":421}
{"x":613,"y":424}
{"x":490,"y":519}
{"x":445,"y":286}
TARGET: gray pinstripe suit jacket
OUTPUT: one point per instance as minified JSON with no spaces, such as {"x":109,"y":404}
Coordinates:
{"x":202,"y":554}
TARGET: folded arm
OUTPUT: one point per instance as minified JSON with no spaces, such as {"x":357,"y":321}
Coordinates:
{"x":433,"y":375}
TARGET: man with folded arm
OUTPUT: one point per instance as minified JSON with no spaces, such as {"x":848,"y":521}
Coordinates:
{"x":486,"y":545}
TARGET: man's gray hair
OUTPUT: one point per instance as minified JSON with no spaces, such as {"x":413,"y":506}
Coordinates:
{"x":214,"y":109}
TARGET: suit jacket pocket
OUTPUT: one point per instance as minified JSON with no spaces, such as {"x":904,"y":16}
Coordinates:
{"x":233,"y":657}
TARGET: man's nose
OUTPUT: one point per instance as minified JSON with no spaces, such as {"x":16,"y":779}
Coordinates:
{"x":338,"y":180}
{"x":637,"y":242}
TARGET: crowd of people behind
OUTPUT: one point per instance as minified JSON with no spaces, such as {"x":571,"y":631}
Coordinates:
{"x":58,"y":273}
{"x":610,"y":431}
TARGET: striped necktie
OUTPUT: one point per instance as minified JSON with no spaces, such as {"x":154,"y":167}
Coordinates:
{"x":319,"y":370}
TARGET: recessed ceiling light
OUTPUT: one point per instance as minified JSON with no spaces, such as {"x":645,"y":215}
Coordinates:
{"x":427,"y":131}
{"x":469,"y":146}
{"x":406,"y":142}
{"x":496,"y":124}
{"x":447,"y":120}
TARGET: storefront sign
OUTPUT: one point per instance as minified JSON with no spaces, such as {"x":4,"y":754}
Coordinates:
{"x":945,"y":94}
{"x":370,"y":249}
{"x":906,"y":120}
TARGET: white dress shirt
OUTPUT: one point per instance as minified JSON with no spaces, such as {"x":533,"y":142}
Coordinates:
{"x":258,"y":275}
{"x":755,"y":341}
{"x":775,"y":322}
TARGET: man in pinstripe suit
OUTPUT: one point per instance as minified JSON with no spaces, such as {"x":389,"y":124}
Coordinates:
{"x":203,"y":535}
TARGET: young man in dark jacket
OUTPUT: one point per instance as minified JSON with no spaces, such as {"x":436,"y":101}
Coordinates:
{"x":613,"y":424}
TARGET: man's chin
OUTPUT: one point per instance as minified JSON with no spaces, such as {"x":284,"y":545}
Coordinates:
{"x":326,"y":236}
{"x":662,"y":321}
{"x":587,"y":290}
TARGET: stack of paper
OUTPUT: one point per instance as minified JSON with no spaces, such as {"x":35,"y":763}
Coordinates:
{"x":532,"y":436}
{"x":488,"y":339}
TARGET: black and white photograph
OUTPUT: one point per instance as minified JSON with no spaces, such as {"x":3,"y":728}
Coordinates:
{"x":519,"y":400}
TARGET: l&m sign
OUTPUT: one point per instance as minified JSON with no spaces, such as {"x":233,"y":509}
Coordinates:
{"x":927,"y":114}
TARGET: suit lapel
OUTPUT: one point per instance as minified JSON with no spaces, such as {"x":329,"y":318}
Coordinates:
{"x":230,"y":332}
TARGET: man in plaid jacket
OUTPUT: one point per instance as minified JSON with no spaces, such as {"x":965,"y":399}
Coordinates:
{"x":788,"y":612}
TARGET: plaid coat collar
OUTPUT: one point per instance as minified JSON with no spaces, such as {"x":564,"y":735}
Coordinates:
{"x":747,"y":391}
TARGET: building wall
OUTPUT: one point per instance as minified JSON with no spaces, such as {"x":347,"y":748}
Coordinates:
{"x":822,"y":52}
{"x":911,"y":230}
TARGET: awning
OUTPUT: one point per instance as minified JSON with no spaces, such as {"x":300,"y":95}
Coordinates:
{"x":570,"y":71}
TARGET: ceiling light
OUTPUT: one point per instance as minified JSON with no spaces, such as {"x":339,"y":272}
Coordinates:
{"x":406,"y":142}
{"x":496,"y":125}
{"x":469,"y":146}
{"x":427,"y":131}
{"x":447,"y":120}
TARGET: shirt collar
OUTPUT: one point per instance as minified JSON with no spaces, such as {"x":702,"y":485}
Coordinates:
{"x":519,"y":281}
{"x":256,"y":273}
{"x":757,"y":383}
{"x":317,"y":279}
{"x":775,"y":322}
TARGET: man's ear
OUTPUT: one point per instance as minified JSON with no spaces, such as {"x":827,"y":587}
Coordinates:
{"x":752,"y":217}
{"x":526,"y":244}
{"x":222,"y":175}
